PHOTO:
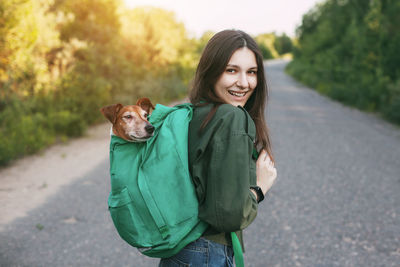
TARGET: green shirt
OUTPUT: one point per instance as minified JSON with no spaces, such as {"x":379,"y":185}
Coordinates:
{"x":222,"y":169}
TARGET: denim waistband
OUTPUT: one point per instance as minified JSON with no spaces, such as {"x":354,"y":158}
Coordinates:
{"x":201,"y":253}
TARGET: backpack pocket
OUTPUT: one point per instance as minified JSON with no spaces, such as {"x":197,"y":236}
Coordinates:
{"x":127,"y":219}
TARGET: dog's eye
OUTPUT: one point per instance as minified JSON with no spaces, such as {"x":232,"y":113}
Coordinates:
{"x":146,"y":115}
{"x":128,"y":117}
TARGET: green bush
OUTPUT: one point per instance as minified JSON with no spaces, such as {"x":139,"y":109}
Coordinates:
{"x":266,"y":53}
{"x":392,"y":111}
{"x":347,"y":50}
{"x":66,"y":123}
{"x":283,"y":44}
{"x":23,"y":135}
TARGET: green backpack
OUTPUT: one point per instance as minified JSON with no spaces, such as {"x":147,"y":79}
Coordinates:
{"x":153,"y":202}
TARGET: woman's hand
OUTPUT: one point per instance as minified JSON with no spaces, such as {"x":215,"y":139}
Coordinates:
{"x":266,"y":172}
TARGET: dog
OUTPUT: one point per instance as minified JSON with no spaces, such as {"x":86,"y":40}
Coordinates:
{"x":130,"y":122}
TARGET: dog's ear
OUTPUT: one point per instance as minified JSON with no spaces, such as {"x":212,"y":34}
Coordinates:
{"x":145,"y":104}
{"x":110,"y":112}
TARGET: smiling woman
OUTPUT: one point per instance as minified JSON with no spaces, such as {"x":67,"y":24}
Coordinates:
{"x":229,"y":94}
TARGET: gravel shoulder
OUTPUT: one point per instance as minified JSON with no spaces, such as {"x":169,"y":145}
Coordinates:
{"x":28,"y":182}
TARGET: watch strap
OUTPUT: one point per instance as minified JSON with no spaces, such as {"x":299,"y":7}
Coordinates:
{"x":259,"y":192}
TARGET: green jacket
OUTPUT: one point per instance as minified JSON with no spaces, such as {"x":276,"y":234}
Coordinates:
{"x":223,"y":169}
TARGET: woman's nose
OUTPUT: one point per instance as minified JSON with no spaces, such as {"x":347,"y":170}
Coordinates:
{"x":242,"y":81}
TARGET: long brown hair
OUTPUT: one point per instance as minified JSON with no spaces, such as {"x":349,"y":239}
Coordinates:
{"x":213,"y":61}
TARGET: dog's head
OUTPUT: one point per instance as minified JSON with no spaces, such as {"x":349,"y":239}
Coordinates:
{"x":130,"y":122}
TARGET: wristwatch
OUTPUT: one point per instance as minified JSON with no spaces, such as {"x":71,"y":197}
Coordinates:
{"x":260,"y":194}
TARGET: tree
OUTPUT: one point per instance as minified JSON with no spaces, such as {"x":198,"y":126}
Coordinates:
{"x":266,"y":53}
{"x":283,"y":44}
{"x":154,"y":45}
{"x":348,"y":50}
{"x":266,"y":43}
{"x":27,"y":33}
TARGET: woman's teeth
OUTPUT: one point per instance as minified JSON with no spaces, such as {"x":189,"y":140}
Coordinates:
{"x":236,"y":93}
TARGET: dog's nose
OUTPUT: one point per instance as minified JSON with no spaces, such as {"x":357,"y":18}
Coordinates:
{"x":149,"y":128}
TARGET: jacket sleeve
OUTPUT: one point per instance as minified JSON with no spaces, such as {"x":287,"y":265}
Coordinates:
{"x":229,"y":204}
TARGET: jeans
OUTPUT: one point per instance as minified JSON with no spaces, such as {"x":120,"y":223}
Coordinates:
{"x":201,"y":253}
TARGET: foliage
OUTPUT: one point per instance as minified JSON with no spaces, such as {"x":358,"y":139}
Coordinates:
{"x":348,"y":50}
{"x":266,"y":43}
{"x":274,"y":46}
{"x":266,"y":53}
{"x":283,"y":44}
{"x":60,"y":61}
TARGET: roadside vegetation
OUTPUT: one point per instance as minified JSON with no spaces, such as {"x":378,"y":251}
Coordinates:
{"x":275,"y":46}
{"x":60,"y":61}
{"x":349,"y":50}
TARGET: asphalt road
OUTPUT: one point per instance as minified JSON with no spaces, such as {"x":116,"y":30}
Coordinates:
{"x":336,"y":201}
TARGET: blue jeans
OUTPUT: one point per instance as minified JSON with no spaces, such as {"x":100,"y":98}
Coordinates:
{"x":201,"y":253}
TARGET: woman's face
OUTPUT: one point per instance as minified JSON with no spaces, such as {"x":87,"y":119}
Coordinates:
{"x":237,"y":82}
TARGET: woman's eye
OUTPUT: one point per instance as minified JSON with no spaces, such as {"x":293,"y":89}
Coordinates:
{"x":230,"y":70}
{"x":252,"y":72}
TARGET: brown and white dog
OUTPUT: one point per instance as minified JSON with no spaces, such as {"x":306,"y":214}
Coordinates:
{"x":130,"y":122}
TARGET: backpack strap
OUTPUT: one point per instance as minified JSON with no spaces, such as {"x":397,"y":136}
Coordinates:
{"x":251,"y":133}
{"x":250,"y":130}
{"x":237,"y":247}
{"x":237,"y":250}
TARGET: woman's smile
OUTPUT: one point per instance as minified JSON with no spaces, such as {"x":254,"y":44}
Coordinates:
{"x":238,"y":94}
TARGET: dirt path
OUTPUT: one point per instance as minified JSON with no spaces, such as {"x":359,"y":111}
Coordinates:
{"x":28,"y":182}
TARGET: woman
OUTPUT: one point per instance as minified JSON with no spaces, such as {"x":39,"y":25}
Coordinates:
{"x":229,"y":94}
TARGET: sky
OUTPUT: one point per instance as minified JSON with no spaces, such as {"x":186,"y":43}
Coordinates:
{"x":252,"y":16}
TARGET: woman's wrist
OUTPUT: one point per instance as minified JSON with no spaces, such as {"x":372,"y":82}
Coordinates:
{"x":264,"y":187}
